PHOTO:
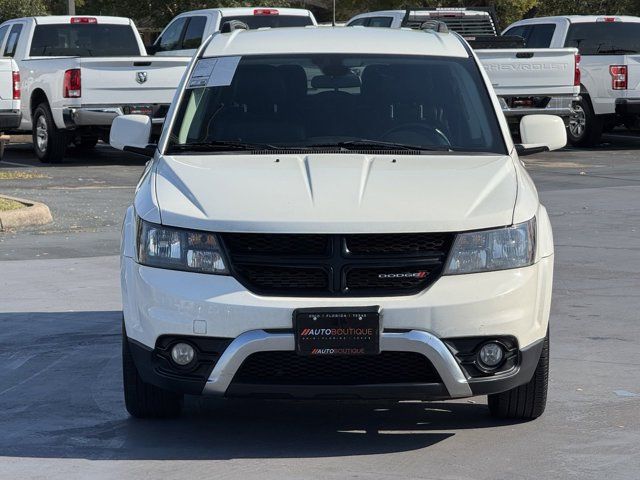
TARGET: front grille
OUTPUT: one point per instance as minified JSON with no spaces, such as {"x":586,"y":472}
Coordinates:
{"x":289,"y":368}
{"x":337,"y":265}
{"x":394,"y":243}
{"x":276,"y":244}
{"x":273,"y":278}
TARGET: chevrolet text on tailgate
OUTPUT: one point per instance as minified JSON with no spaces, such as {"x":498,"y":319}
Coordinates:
{"x":78,"y":73}
{"x":336,"y":213}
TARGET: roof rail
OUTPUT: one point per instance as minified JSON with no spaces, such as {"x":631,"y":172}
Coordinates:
{"x":435,"y":25}
{"x":231,"y":25}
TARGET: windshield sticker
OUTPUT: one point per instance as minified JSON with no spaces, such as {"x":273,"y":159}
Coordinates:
{"x":223,"y":72}
{"x":202,"y":72}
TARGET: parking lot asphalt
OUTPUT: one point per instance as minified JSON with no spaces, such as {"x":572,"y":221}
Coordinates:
{"x":61,"y":407}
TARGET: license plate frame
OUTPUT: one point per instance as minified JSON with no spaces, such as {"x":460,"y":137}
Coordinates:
{"x":337,"y":331}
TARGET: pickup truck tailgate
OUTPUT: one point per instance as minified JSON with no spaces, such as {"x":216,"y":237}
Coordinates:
{"x":530,"y":71}
{"x":144,"y":80}
{"x":6,"y":84}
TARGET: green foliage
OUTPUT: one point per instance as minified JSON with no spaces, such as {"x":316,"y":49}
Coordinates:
{"x":21,"y":8}
{"x":588,"y":7}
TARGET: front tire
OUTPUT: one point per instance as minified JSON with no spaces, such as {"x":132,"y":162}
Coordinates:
{"x":49,"y":142}
{"x":527,"y":401}
{"x":142,"y":399}
{"x":585,"y":128}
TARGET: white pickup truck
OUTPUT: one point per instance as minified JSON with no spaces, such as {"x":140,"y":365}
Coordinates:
{"x":79,"y":73}
{"x":9,"y":98}
{"x":184,"y":34}
{"x":610,"y":66}
{"x":526,"y":80}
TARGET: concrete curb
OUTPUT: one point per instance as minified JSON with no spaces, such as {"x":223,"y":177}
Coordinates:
{"x":34,"y":213}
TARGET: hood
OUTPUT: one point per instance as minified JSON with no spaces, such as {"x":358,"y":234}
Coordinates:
{"x":342,"y":193}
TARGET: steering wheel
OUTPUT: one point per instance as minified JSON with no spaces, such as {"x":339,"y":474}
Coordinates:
{"x":418,"y":129}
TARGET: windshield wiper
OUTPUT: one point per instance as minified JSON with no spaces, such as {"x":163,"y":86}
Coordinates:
{"x":379,"y":144}
{"x":220,"y":145}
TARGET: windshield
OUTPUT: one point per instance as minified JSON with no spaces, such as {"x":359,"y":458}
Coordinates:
{"x":84,"y":40}
{"x":336,"y":100}
{"x":273,"y":21}
{"x":604,"y":38}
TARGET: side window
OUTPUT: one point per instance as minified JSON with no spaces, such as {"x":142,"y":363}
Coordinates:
{"x":12,"y":41}
{"x":519,"y":31}
{"x":194,"y":33}
{"x":3,"y":32}
{"x":170,"y":39}
{"x":540,"y":35}
{"x":384,"y":22}
{"x":358,"y":22}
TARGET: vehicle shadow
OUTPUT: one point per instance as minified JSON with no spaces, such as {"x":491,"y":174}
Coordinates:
{"x":61,"y":397}
{"x":102,"y":154}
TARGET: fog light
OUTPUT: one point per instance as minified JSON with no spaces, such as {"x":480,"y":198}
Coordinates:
{"x":182,"y":354}
{"x":491,"y":354}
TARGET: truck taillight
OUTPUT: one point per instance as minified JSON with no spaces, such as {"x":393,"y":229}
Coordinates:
{"x":72,"y":85}
{"x":576,"y":70}
{"x":84,"y":20}
{"x":619,"y":77}
{"x":15,"y":77}
{"x":266,"y":11}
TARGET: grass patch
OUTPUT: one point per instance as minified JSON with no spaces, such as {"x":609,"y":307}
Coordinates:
{"x":7,"y":204}
{"x":19,"y":175}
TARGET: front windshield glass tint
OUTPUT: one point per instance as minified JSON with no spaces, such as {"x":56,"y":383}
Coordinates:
{"x":329,"y":100}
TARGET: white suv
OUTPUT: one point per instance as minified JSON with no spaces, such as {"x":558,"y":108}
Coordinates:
{"x":336,"y":213}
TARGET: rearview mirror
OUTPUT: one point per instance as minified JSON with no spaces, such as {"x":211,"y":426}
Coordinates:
{"x":131,"y":133}
{"x":541,"y":133}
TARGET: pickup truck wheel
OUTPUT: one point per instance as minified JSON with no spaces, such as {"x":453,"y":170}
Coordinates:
{"x":585,"y":128}
{"x":527,"y":401}
{"x":142,"y":399}
{"x":49,"y":142}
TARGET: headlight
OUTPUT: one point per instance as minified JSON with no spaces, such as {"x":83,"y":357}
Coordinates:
{"x":489,"y":250}
{"x":179,"y":249}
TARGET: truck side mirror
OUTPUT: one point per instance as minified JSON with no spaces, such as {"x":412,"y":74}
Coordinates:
{"x":131,"y":133}
{"x":541,"y":133}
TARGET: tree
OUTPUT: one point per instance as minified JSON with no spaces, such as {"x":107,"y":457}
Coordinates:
{"x":21,"y":8}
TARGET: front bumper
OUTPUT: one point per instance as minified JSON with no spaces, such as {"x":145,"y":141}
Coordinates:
{"x":222,"y":368}
{"x":516,"y":303}
{"x":103,"y":115}
{"x":628,"y":106}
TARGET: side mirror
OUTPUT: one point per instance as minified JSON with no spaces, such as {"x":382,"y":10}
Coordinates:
{"x":151,"y":49}
{"x":541,"y":133}
{"x":131,"y":133}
